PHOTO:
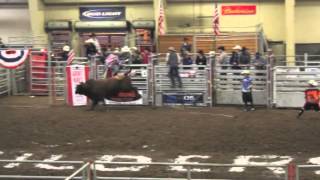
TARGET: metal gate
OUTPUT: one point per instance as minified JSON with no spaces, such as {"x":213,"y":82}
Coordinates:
{"x":227,"y":85}
{"x":290,"y":83}
{"x":195,"y":90}
{"x":4,"y":81}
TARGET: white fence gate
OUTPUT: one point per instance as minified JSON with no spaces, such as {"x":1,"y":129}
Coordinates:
{"x":289,"y":84}
{"x":196,"y":86}
{"x":4,"y":81}
{"x":227,"y":85}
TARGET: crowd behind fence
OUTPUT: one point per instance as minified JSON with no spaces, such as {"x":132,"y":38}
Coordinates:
{"x":212,"y":83}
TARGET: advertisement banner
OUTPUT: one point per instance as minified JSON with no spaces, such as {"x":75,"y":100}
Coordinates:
{"x":185,"y":99}
{"x":75,"y":75}
{"x":239,"y":10}
{"x":102,"y":13}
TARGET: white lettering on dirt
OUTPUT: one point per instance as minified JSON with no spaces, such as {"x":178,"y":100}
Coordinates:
{"x":262,"y":160}
{"x":51,"y":159}
{"x":186,"y":160}
{"x":127,"y":158}
{"x":19,"y":158}
{"x":315,"y":161}
{"x":1,"y":152}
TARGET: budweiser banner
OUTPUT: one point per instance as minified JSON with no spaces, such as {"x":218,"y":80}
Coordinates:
{"x":239,"y":10}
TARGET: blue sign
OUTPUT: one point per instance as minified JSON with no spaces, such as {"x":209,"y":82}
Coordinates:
{"x":102,"y":13}
{"x":187,"y":99}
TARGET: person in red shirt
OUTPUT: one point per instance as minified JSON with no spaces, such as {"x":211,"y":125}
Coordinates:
{"x":312,"y":97}
{"x":146,"y":56}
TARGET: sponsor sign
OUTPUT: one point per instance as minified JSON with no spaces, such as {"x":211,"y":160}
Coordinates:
{"x":102,"y":13}
{"x":239,"y":10}
{"x":185,"y":99}
{"x":75,"y":75}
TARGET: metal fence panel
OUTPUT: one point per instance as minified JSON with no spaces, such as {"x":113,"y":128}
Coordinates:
{"x":196,"y":86}
{"x":4,"y":81}
{"x":227,"y":85}
{"x":291,"y":81}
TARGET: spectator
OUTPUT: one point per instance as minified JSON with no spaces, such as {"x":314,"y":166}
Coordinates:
{"x":247,"y":90}
{"x":124,"y":56}
{"x":270,"y":57}
{"x":222,"y":58}
{"x":112,"y":63}
{"x":187,"y":60}
{"x":135,"y":56}
{"x":245,"y":58}
{"x":185,"y":47}
{"x":93,"y":40}
{"x":2,"y":44}
{"x":173,"y":61}
{"x":201,"y":59}
{"x":146,"y":55}
{"x":259,"y":62}
{"x":235,"y":58}
{"x":65,"y":52}
{"x":90,"y":50}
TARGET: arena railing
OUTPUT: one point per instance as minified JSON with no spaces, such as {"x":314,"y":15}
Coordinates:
{"x":88,"y":170}
{"x":3,"y":176}
{"x":292,"y":81}
{"x":300,"y":167}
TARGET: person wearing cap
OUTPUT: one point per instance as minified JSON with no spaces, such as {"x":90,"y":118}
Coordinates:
{"x":65,"y":52}
{"x":312,"y":98}
{"x":93,"y":40}
{"x":173,"y":61}
{"x":246,"y":89}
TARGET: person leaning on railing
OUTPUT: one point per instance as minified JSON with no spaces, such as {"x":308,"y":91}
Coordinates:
{"x":259,"y":62}
{"x":173,"y":61}
{"x":222,"y":58}
{"x":245,"y":58}
{"x":201,"y":59}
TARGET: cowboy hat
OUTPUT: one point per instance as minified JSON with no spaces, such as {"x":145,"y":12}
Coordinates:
{"x":134,"y":48}
{"x":245,"y":72}
{"x":125,"y":49}
{"x":237,"y":47}
{"x":313,"y":82}
{"x":172,"y":49}
{"x":66,"y":48}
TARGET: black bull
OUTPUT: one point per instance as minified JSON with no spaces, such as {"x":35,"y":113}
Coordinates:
{"x":98,"y":90}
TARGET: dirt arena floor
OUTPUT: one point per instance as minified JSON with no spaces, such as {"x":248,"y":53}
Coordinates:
{"x":29,"y":124}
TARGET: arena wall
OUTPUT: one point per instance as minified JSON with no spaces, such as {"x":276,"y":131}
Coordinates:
{"x":15,"y":21}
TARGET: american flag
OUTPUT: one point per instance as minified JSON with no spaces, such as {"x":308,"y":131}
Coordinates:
{"x":161,"y":19}
{"x":215,"y":21}
{"x":71,"y":56}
